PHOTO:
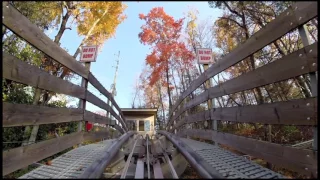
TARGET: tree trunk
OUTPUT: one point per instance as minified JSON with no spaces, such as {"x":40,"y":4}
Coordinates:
{"x":64,"y":73}
{"x":89,"y":33}
{"x":220,"y":104}
{"x":299,"y":87}
{"x":299,"y":80}
{"x":303,"y":87}
{"x":244,"y":98}
{"x":58,"y":37}
{"x":36,"y":99}
{"x":65,"y":19}
{"x":168,"y":88}
{"x":161,"y":101}
{"x":268,"y":138}
{"x":175,"y":85}
{"x":182,"y":81}
{"x":47,"y":97}
{"x":4,"y":30}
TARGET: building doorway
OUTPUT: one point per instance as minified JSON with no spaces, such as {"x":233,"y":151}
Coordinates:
{"x":141,"y":125}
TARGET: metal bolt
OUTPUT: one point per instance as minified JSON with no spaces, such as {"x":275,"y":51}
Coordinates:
{"x":308,"y":118}
{"x":302,"y":67}
{"x":2,"y":17}
{"x":308,"y":104}
{"x":300,"y":18}
{"x":314,"y":64}
{"x":306,"y":169}
{"x":296,"y":8}
{"x":300,"y":55}
{"x":310,"y":51}
{"x":291,"y":24}
{"x":308,"y":155}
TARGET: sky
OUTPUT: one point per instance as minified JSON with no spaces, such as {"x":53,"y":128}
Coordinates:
{"x":132,"y":52}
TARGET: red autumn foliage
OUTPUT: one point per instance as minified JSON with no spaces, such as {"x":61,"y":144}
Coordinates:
{"x":162,"y":32}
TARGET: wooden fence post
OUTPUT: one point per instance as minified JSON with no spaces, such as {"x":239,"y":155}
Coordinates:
{"x":210,"y":103}
{"x":82,"y":103}
{"x":304,"y":34}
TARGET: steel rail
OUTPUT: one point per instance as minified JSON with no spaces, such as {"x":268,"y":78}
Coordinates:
{"x":96,"y":169}
{"x":172,"y":170}
{"x":198,"y":163}
{"x":157,"y":171}
{"x":148,"y":155}
{"x":125,"y":169}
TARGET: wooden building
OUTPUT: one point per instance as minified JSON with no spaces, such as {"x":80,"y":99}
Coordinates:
{"x":141,"y":120}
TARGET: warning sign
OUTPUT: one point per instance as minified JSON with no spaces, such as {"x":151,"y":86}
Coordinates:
{"x":204,"y":56}
{"x":88,"y":53}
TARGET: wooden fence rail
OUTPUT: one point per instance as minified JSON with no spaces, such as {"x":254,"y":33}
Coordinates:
{"x":21,"y":72}
{"x":25,"y":115}
{"x":298,"y":14}
{"x":23,"y":156}
{"x":95,"y":83}
{"x":92,"y":117}
{"x":287,"y":67}
{"x":300,"y":160}
{"x":22,"y":27}
{"x":297,"y":112}
{"x":292,"y":112}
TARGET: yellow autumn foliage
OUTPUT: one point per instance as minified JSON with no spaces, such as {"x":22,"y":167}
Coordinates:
{"x":108,"y":16}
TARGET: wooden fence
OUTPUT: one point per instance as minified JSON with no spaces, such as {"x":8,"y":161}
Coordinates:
{"x":25,"y":115}
{"x":292,"y":112}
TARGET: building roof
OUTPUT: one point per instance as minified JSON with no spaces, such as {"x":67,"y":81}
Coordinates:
{"x":139,"y":111}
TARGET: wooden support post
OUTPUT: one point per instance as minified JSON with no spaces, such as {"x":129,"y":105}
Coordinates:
{"x":108,"y":113}
{"x":304,"y":34}
{"x":110,"y":104}
{"x":82,"y":103}
{"x":210,"y":102}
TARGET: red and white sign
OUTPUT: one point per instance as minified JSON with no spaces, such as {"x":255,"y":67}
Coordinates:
{"x":204,"y":56}
{"x":88,"y":53}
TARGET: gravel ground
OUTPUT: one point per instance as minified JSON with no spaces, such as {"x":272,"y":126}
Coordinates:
{"x":190,"y":173}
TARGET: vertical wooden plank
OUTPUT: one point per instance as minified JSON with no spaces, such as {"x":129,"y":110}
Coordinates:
{"x":139,"y":169}
{"x":210,"y":101}
{"x":157,"y":171}
{"x":304,"y":34}
{"x":82,"y":103}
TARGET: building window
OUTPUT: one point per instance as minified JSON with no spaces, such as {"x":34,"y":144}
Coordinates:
{"x":132,"y":125}
{"x":147,"y":125}
{"x":141,"y":125}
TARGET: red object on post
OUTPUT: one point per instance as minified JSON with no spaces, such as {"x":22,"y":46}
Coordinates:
{"x":89,"y":126}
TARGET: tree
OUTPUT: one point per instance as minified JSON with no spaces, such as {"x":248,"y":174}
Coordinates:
{"x":137,"y":93}
{"x":162,"y":32}
{"x":239,"y":22}
{"x":96,"y":20}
